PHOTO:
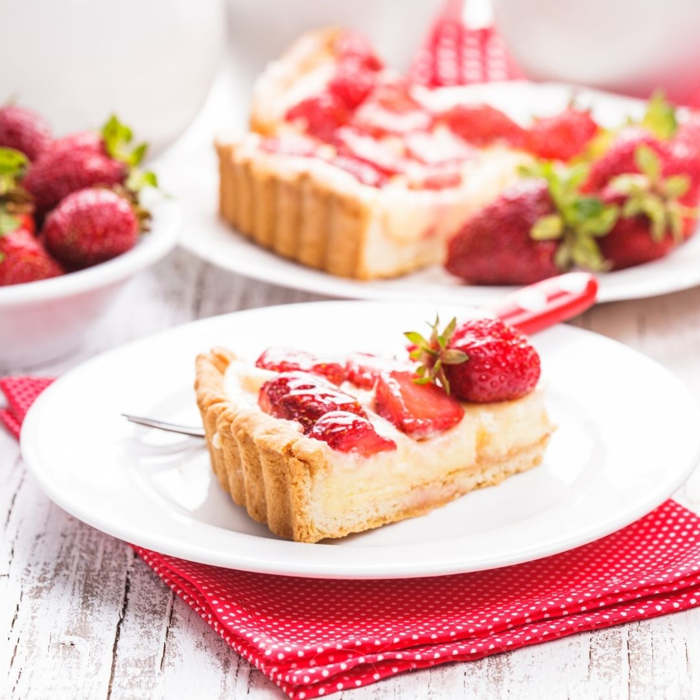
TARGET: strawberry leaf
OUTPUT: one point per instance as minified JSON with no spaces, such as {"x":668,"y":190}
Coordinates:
{"x":8,"y":223}
{"x":660,"y":116}
{"x":547,"y":228}
{"x":648,"y":162}
{"x":676,"y":186}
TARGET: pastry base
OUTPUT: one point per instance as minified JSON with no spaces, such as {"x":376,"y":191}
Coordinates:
{"x":276,"y":473}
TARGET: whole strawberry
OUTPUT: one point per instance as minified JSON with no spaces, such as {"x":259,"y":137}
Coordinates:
{"x":24,"y":130}
{"x":91,"y":226}
{"x":620,"y":157}
{"x":58,"y":173}
{"x":536,"y":229}
{"x":87,"y":159}
{"x":479,"y":360}
{"x":654,"y":218}
{"x":495,"y":245}
{"x":563,"y":136}
{"x":22,"y":256}
{"x":85,"y":140}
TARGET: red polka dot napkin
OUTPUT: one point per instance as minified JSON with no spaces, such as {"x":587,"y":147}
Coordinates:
{"x":316,"y":637}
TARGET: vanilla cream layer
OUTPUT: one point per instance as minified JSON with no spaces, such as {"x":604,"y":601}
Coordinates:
{"x":488,"y":433}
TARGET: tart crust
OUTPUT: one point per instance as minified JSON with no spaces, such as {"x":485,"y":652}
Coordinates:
{"x":269,"y":467}
{"x":318,"y":215}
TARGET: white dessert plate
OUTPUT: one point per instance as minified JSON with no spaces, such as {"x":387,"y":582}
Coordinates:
{"x":627,"y":438}
{"x":205,"y":235}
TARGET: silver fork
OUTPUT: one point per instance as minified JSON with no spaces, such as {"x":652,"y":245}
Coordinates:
{"x":191,"y":430}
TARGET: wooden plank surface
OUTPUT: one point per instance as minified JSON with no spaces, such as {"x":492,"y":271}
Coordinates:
{"x":84,"y":618}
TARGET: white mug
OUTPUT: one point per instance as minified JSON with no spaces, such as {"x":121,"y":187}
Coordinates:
{"x":631,"y":46}
{"x":151,"y":61}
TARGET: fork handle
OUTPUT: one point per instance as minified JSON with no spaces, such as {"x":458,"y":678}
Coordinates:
{"x":544,"y":304}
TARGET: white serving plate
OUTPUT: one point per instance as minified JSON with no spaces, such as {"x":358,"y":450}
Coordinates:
{"x":207,"y":236}
{"x":627,"y":438}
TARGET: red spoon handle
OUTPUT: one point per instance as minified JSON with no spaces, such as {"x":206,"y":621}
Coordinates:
{"x":538,"y":306}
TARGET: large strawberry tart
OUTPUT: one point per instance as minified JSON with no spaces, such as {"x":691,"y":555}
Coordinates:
{"x":352,"y":169}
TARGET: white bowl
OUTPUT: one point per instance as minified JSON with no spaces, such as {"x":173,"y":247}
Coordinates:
{"x":40,"y":321}
{"x":630,"y":46}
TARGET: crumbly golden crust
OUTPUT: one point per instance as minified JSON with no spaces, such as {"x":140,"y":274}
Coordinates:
{"x":268,"y":467}
{"x":295,"y":214}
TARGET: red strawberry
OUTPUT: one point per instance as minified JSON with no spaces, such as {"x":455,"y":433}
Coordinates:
{"x":481,"y":125}
{"x":58,"y":173}
{"x":532,"y":231}
{"x":304,"y":398}
{"x":287,"y":360}
{"x":355,"y":47}
{"x":391,"y":110}
{"x":379,"y":155}
{"x":352,"y":83}
{"x":563,"y":136}
{"x":360,"y":170}
{"x":348,"y":432}
{"x":620,"y":158}
{"x":363,"y":369}
{"x":480,"y":360}
{"x":630,"y":243}
{"x":654,"y":217}
{"x":419,"y":410}
{"x":90,"y":226}
{"x":320,"y":115}
{"x":23,"y":130}
{"x":495,"y":245}
{"x":87,"y":140}
{"x":22,"y":256}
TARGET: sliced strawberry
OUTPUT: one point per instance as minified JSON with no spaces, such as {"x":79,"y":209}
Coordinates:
{"x":288,"y":360}
{"x":352,"y":83}
{"x":481,"y":125}
{"x":419,"y":410}
{"x":363,"y":369}
{"x":563,"y":136}
{"x":376,"y":153}
{"x":435,"y":177}
{"x":360,"y":170}
{"x":438,"y":147}
{"x":304,"y":398}
{"x":351,"y":46}
{"x":348,"y":432}
{"x":391,"y":110}
{"x":289,"y":145}
{"x":321,"y":115}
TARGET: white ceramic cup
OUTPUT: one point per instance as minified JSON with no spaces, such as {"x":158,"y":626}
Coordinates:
{"x":151,"y":61}
{"x":631,"y":46}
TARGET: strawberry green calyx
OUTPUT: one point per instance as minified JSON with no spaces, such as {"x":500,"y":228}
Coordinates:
{"x":577,"y":220}
{"x":117,"y":138}
{"x":648,"y":193}
{"x":8,"y":222}
{"x":12,"y":166}
{"x":434,"y":354}
{"x":660,"y":116}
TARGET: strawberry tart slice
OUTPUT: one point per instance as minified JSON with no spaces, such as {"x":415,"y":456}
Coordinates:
{"x":322,"y":447}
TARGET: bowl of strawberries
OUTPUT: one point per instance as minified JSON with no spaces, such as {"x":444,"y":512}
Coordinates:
{"x":78,"y":217}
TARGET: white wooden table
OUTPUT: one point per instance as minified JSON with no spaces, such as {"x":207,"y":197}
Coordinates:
{"x":82,"y":617}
